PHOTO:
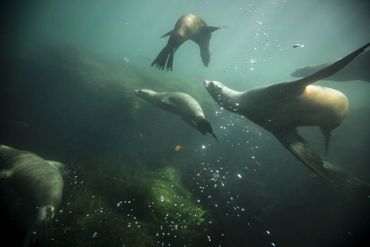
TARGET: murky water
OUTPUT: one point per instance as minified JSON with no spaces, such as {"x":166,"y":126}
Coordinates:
{"x":140,"y":176}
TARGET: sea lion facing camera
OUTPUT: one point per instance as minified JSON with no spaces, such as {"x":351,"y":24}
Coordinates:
{"x":39,"y":182}
{"x":187,"y":27}
{"x":180,"y":104}
{"x":282,"y":107}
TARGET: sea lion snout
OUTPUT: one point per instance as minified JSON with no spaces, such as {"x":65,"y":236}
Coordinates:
{"x":140,"y":92}
{"x":206,"y":83}
{"x":212,"y":85}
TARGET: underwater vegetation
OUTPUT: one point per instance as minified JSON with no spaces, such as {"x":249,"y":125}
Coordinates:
{"x":130,"y":207}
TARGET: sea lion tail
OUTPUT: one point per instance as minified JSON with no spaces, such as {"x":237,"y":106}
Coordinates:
{"x":164,"y":60}
{"x":205,"y":128}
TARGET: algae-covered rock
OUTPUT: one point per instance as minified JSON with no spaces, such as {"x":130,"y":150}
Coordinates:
{"x":175,"y":210}
{"x":130,"y":207}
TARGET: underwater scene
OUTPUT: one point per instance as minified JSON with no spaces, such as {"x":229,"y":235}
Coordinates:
{"x":140,"y":123}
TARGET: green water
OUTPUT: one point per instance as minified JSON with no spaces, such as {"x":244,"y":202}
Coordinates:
{"x":140,"y":176}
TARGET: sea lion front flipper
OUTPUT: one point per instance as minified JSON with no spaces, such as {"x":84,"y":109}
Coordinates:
{"x":205,"y":127}
{"x":167,"y":101}
{"x":331,"y":69}
{"x":341,"y":177}
{"x":6,"y":173}
{"x":167,"y":34}
{"x":40,"y":231}
{"x":210,"y":29}
{"x":167,"y":104}
{"x":303,"y":151}
{"x":327,"y":134}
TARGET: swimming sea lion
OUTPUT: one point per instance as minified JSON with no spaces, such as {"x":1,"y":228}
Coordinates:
{"x":282,"y":107}
{"x":180,"y":104}
{"x":187,"y":27}
{"x":39,"y":182}
{"x":357,"y":70}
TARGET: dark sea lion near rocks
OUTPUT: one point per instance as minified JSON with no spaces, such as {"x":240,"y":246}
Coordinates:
{"x":180,"y":104}
{"x":282,"y":107}
{"x":39,"y":183}
{"x":187,"y":27}
{"x":359,"y":69}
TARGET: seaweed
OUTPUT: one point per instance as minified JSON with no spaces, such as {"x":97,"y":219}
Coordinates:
{"x":112,"y":201}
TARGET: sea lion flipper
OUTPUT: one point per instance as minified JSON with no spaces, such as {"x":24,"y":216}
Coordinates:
{"x":56,"y":164}
{"x":211,"y":29}
{"x":40,"y":231}
{"x":327,"y":134}
{"x":6,"y":173}
{"x":167,"y":101}
{"x":205,"y":127}
{"x":164,"y":60}
{"x":303,"y":151}
{"x":341,"y":177}
{"x":331,"y":69}
{"x":167,"y":34}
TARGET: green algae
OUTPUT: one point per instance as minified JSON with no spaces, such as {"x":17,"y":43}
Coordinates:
{"x":130,"y":207}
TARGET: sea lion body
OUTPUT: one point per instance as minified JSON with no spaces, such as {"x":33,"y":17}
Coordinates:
{"x":315,"y":106}
{"x":282,"y":107}
{"x":180,"y":104}
{"x":39,"y":182}
{"x":188,"y":27}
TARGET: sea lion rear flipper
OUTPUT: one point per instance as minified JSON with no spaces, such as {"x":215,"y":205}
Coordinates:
{"x":303,"y":151}
{"x":331,"y":69}
{"x":164,"y":60}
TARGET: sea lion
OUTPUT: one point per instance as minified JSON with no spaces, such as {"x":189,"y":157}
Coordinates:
{"x":282,"y":107}
{"x":187,"y":27}
{"x":357,"y":70}
{"x":39,"y":182}
{"x":180,"y":104}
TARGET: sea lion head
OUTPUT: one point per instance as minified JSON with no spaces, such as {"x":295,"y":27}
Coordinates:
{"x":224,"y":96}
{"x":213,"y":87}
{"x":144,"y":93}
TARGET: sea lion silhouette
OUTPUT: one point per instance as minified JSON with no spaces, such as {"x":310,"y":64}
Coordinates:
{"x":187,"y":27}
